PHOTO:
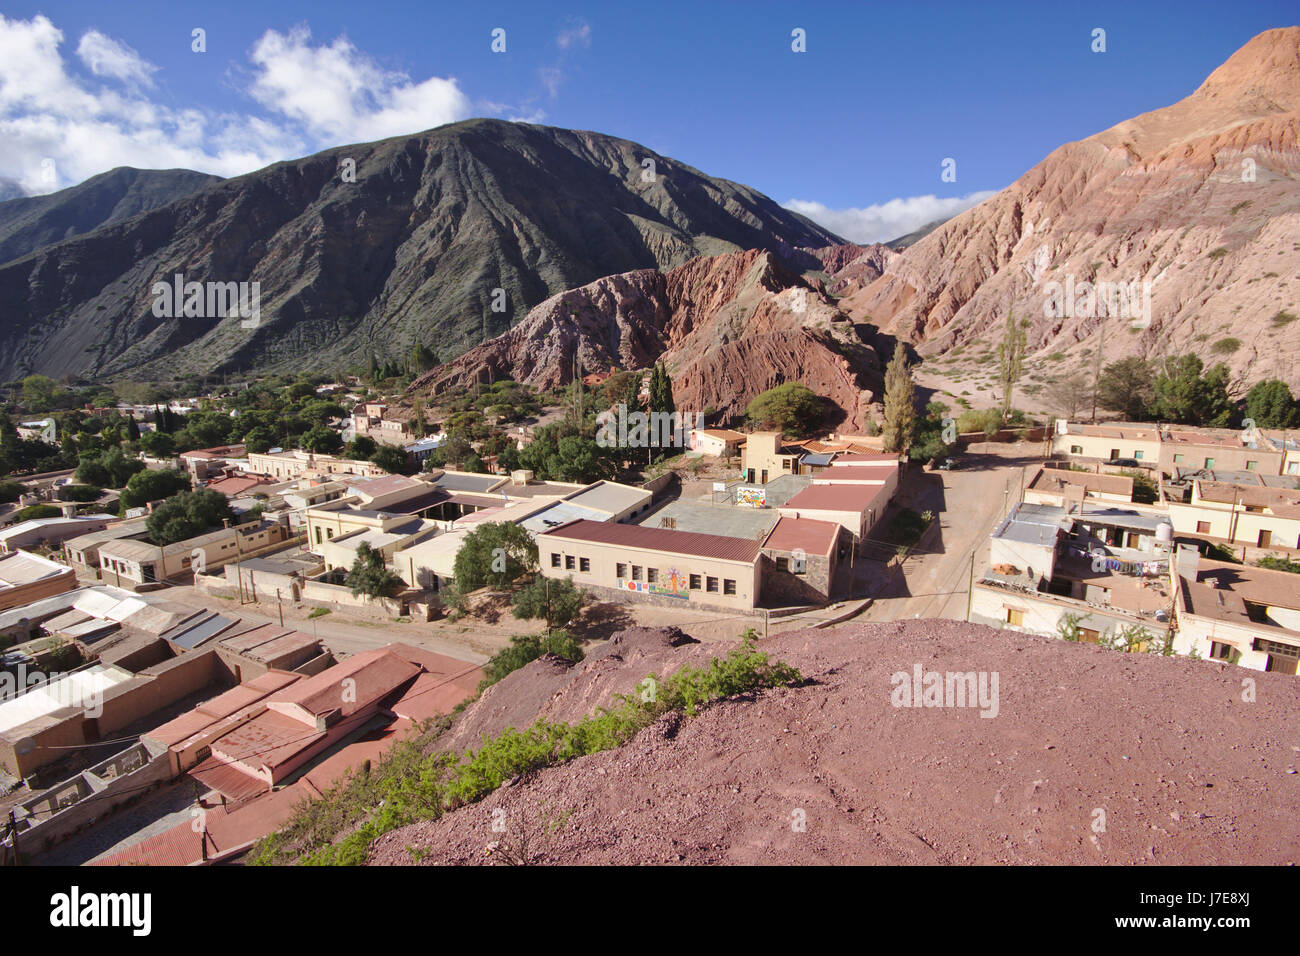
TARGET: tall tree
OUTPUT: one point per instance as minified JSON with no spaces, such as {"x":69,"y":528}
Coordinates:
{"x":1011,"y":360}
{"x":900,"y":403}
{"x":1126,"y":387}
{"x":1269,"y":404}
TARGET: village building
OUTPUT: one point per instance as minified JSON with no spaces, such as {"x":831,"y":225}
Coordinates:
{"x":1237,"y":613}
{"x":25,"y":578}
{"x":1106,"y":569}
{"x":1238,"y":514}
{"x":50,"y":532}
{"x":657,"y":565}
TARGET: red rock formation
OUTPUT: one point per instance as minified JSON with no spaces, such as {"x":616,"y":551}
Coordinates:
{"x":1201,"y":199}
{"x":729,"y":327}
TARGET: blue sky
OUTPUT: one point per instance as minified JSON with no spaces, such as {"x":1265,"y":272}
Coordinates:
{"x":855,"y":128}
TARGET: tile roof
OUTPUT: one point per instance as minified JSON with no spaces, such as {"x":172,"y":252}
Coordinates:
{"x":659,"y":539}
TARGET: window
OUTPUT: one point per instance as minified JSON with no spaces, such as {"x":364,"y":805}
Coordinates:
{"x":1138,"y":454}
{"x":584,"y":564}
{"x":711,"y":585}
{"x":1202,"y":527}
{"x":1089,"y":635}
{"x":621,"y":571}
{"x":1015,"y":616}
{"x":636,"y":572}
{"x":570,"y":562}
{"x":695,"y":582}
{"x":1076,"y":449}
{"x":652,"y":575}
{"x":555,"y":560}
{"x":1252,"y":465}
{"x":1220,"y":651}
{"x":728,"y":586}
{"x":1209,"y":463}
{"x":1178,"y":459}
{"x":318,"y":535}
{"x":783,"y":564}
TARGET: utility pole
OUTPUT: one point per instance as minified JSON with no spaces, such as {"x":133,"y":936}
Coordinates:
{"x":13,"y":836}
{"x":970,"y":586}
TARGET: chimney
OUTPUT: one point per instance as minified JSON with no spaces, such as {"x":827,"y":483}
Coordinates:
{"x":1188,"y":560}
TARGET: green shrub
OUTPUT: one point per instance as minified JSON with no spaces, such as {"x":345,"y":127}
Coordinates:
{"x":409,"y":785}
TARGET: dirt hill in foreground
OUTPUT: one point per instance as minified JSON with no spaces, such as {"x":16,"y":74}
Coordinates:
{"x":1184,"y":770}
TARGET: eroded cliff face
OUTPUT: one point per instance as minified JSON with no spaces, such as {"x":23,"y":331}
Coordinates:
{"x":1201,"y":200}
{"x":728,"y":327}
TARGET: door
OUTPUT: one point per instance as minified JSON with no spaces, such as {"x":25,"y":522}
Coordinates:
{"x":1266,"y":539}
{"x":1114,"y":453}
{"x":1282,"y":665}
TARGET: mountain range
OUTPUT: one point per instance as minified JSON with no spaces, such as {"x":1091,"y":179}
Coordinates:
{"x":1200,"y":199}
{"x":524,"y":251}
{"x":447,"y":237}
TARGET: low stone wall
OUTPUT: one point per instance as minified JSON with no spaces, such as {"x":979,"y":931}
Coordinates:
{"x":74,"y":804}
{"x":601,"y":593}
{"x":319,"y":592}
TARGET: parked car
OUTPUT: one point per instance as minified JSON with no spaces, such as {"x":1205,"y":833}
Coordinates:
{"x":1125,"y":463}
{"x":948,"y":464}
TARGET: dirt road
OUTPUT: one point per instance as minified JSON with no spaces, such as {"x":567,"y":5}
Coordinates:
{"x":969,"y":501}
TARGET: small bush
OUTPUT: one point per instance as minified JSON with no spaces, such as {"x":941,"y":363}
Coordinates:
{"x":1218,"y":253}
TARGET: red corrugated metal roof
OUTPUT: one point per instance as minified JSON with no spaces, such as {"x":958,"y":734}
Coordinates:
{"x":690,"y":543}
{"x":808,"y":534}
{"x":228,"y":780}
{"x":835,"y":497}
{"x":373,"y":673}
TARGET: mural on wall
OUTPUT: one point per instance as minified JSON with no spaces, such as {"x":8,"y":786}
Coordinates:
{"x":752,"y":497}
{"x":673,"y":584}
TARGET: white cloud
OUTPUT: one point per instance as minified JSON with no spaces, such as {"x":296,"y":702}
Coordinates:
{"x":889,"y":220}
{"x":338,"y":93}
{"x":577,"y":35}
{"x":79,"y":123}
{"x":107,"y":57}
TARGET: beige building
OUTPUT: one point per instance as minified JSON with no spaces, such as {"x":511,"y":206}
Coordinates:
{"x":135,"y":561}
{"x":1218,"y":449}
{"x":718,"y":442}
{"x":340,"y":551}
{"x":1257,"y":516}
{"x":1057,"y":486}
{"x":656,"y":565}
{"x":854,"y":506}
{"x":1107,"y":442}
{"x":765,"y":455}
{"x":1237,"y":613}
{"x":289,"y":465}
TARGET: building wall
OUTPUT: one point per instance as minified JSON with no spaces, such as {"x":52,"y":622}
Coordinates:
{"x":1218,"y":458}
{"x":38,"y":590}
{"x":605,"y":558}
{"x":787,"y":587}
{"x":54,"y":534}
{"x":1187,"y":518}
{"x":762,"y":453}
{"x":857,"y":524}
{"x":1196,"y":632}
{"x":1094,"y":446}
{"x":1042,"y":614}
